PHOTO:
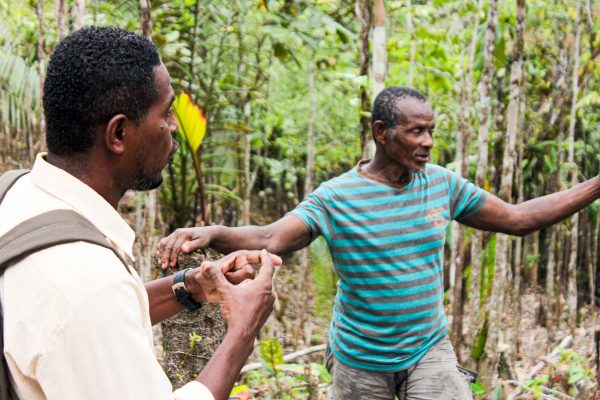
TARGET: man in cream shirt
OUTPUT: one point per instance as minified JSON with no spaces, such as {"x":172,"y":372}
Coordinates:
{"x":77,"y":323}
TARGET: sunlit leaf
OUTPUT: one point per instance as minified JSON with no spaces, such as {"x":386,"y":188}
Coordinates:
{"x":239,"y":389}
{"x":191,"y":119}
{"x":271,"y":352}
{"x":477,"y":388}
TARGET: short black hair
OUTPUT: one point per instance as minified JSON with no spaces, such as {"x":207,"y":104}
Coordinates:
{"x":385,"y":107}
{"x":94,"y":74}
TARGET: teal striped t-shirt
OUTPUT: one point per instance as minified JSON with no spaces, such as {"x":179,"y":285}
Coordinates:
{"x":387,"y":246}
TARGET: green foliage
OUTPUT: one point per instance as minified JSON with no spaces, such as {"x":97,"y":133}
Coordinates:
{"x":271,"y":353}
{"x":477,"y":389}
{"x":19,"y":94}
{"x":537,"y":384}
{"x":480,"y":339}
{"x":239,"y":389}
{"x":487,"y":271}
{"x":578,"y":366}
{"x":571,"y":373}
{"x":194,"y":339}
{"x":285,"y":381}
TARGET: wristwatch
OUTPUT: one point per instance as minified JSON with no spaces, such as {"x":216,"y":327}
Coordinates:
{"x":181,"y":293}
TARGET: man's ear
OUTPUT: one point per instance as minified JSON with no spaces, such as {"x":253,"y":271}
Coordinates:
{"x":115,"y":132}
{"x":379,"y":132}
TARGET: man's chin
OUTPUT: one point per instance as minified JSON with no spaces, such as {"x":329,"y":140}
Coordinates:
{"x":420,"y":166}
{"x":147,"y":183}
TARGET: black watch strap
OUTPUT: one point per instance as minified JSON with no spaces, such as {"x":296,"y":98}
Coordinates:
{"x":181,"y":293}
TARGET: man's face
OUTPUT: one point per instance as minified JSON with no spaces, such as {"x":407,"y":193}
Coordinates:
{"x":155,"y":143}
{"x":410,"y":143}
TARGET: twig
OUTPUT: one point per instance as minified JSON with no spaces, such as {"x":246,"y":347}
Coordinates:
{"x":566,"y":342}
{"x":286,"y":358}
{"x":545,"y":396}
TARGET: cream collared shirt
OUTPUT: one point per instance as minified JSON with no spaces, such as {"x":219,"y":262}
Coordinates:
{"x":76,"y":323}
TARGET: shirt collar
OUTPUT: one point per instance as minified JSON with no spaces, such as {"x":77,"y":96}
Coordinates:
{"x":85,"y":200}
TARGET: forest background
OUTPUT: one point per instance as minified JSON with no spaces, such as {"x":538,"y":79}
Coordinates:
{"x":284,"y":89}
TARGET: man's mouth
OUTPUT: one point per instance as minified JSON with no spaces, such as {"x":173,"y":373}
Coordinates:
{"x":422,"y":157}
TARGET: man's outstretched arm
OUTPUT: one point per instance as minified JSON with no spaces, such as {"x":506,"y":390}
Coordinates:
{"x":282,"y":236}
{"x":521,"y":219}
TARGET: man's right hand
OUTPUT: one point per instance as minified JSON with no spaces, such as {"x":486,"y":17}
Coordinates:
{"x":182,"y":239}
{"x":246,"y":306}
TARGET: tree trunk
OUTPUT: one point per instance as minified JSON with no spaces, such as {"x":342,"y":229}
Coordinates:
{"x":60,"y":18}
{"x":572,"y":265}
{"x":307,"y":286}
{"x":456,"y":285}
{"x":484,"y":88}
{"x":519,"y":254}
{"x":589,"y":259}
{"x":80,"y":13}
{"x":311,"y":134}
{"x":501,"y":265}
{"x":593,"y":272}
{"x":550,"y":277}
{"x":41,"y":72}
{"x":363,"y":13}
{"x":379,"y":49}
{"x":413,"y":43}
{"x":463,"y":142}
{"x":146,"y":20}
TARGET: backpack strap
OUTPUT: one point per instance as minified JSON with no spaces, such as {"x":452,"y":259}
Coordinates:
{"x":46,"y":230}
{"x":8,"y":179}
{"x":50,"y":229}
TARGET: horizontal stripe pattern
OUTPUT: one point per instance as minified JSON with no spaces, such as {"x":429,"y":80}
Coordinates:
{"x":387,"y":248}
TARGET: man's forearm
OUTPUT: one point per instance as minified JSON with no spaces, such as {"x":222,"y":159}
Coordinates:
{"x":161,"y":299}
{"x":222,"y":370}
{"x":226,"y":240}
{"x":547,"y":210}
{"x":281,"y":237}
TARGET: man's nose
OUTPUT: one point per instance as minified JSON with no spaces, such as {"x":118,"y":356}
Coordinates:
{"x":173,"y":126}
{"x":427,"y":141}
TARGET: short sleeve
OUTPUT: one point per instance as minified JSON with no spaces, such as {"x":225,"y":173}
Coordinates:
{"x":312,"y":212}
{"x":465,"y":198}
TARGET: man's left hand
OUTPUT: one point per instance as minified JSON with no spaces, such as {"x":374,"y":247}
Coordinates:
{"x":237,"y":267}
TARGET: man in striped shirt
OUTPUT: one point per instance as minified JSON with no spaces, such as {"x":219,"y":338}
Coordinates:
{"x":385,"y":224}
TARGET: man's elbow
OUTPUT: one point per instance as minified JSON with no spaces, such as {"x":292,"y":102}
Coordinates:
{"x":519,"y":225}
{"x":516,"y":224}
{"x":271,"y":240}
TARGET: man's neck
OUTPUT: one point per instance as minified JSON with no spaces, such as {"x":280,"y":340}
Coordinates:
{"x":99,"y":179}
{"x":387,"y":171}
